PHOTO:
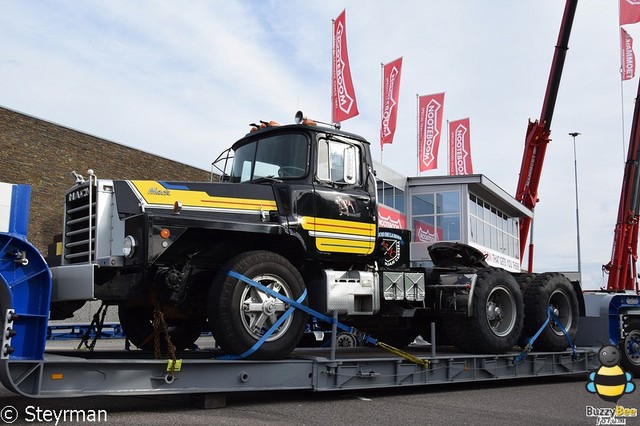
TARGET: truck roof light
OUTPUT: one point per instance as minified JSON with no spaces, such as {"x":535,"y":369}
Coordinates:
{"x":263,"y":124}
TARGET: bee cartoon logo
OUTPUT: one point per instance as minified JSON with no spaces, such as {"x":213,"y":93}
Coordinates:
{"x":610,"y":381}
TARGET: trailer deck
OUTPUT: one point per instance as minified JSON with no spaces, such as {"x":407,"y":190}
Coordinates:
{"x":74,"y":373}
{"x":33,"y":367}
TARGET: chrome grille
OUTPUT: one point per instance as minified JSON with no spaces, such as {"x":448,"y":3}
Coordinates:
{"x":80,"y":224}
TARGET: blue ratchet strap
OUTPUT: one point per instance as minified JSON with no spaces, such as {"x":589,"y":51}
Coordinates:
{"x":529,"y":346}
{"x":268,"y":334}
{"x":298,"y":305}
{"x":293,"y":304}
{"x":574,"y":354}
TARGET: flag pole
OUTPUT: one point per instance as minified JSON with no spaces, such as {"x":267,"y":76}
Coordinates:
{"x":621,"y":84}
{"x":381,"y":106}
{"x":333,"y":67}
{"x":418,"y":134}
{"x":448,"y":148}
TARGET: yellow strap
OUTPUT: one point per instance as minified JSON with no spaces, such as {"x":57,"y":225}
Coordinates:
{"x":405,"y":355}
{"x":174,"y":365}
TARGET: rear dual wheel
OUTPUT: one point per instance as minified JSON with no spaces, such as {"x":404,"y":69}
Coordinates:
{"x":550,"y":290}
{"x":497,"y":315}
{"x":630,"y":347}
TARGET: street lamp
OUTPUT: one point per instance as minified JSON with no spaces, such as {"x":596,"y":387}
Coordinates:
{"x":575,"y":170}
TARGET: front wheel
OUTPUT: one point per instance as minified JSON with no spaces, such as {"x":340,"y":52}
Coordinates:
{"x":630,"y":347}
{"x":241,"y":314}
{"x":497,"y":315}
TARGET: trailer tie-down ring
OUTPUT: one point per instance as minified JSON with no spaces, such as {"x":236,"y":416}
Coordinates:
{"x":297,"y":304}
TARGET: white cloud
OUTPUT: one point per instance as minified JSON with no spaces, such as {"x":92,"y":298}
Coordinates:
{"x":184,"y":78}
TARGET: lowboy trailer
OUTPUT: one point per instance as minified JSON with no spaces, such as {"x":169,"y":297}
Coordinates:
{"x":29,"y":368}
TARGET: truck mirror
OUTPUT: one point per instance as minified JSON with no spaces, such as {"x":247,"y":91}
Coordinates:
{"x":350,"y":165}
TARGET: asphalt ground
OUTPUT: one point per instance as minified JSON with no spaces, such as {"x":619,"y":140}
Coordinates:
{"x":562,"y":400}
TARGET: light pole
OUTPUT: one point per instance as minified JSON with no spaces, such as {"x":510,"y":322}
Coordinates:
{"x":575,"y":170}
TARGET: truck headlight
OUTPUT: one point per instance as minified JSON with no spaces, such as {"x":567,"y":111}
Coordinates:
{"x":129,"y":246}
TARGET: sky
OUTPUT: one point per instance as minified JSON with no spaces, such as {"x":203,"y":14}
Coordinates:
{"x":183,"y":79}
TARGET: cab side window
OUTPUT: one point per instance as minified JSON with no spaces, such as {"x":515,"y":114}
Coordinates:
{"x":338,"y":162}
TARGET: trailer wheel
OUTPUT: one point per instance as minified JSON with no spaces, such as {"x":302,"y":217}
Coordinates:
{"x":240,"y":314}
{"x":550,"y":290}
{"x":137,"y":324}
{"x":497,"y":315}
{"x":630,"y":347}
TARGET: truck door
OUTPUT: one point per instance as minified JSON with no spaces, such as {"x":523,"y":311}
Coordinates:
{"x":345,"y":217}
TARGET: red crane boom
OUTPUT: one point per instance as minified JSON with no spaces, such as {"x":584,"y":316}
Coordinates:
{"x":538,"y":132}
{"x":624,"y":254}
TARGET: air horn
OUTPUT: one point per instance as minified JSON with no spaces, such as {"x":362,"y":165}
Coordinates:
{"x":301,"y":119}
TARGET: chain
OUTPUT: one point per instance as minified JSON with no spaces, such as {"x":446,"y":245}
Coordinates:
{"x":157,"y":319}
{"x":98,"y":323}
{"x":160,"y":326}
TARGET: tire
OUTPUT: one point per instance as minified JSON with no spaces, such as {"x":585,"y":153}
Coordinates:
{"x":524,"y":281}
{"x":240,"y":314}
{"x":137,"y":324}
{"x":630,"y":347}
{"x":555,"y":290}
{"x":497,"y":315}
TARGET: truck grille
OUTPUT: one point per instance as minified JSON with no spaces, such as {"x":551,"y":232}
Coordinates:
{"x":80,"y":224}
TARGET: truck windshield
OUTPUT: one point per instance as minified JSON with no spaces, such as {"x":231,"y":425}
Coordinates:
{"x":278,"y":157}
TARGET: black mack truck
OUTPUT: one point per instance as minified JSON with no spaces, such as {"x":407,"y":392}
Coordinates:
{"x":297,"y":213}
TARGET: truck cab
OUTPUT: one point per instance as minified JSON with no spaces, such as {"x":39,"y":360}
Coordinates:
{"x":296,"y":211}
{"x":323,"y":183}
{"x":292,"y":221}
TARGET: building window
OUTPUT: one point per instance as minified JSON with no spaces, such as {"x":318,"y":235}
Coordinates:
{"x":493,"y":229}
{"x":436,"y":216}
{"x":391,"y":196}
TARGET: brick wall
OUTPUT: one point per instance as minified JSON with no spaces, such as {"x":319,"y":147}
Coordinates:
{"x":43,"y":154}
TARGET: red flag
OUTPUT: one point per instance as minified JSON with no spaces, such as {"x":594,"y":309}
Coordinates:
{"x":390,"y":96}
{"x":391,"y":218}
{"x":430,"y":109}
{"x":629,"y":11}
{"x":628,"y":58}
{"x":426,"y":233}
{"x":460,"y":148}
{"x":343,"y":94}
